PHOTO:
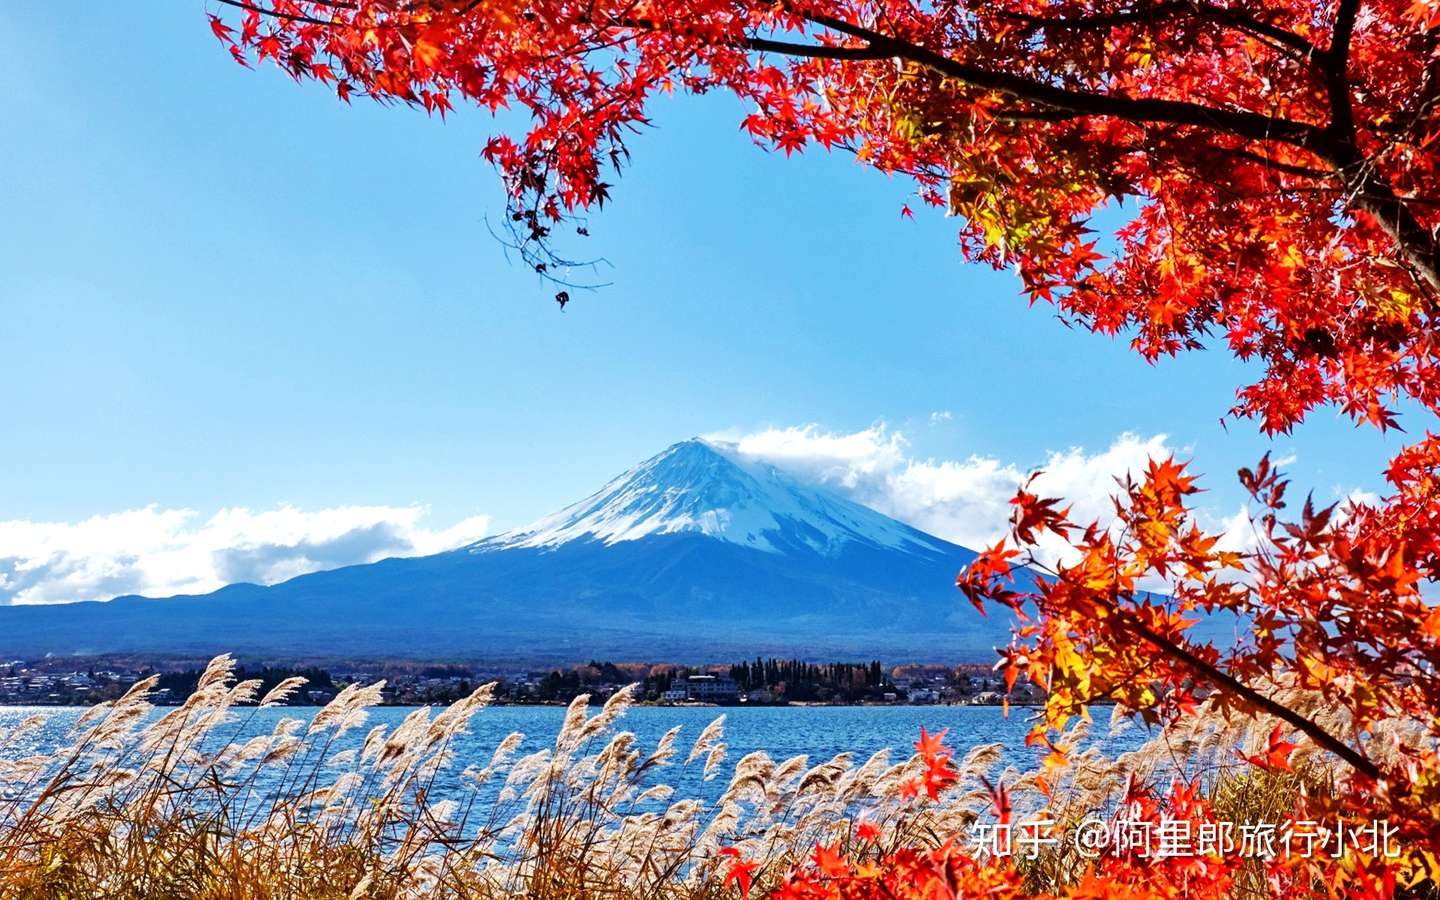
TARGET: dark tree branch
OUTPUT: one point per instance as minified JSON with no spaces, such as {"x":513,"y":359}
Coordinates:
{"x":1342,"y":33}
{"x":275,"y":13}
{"x":1227,"y":682}
{"x":767,"y":45}
{"x":1242,"y":123}
{"x":819,"y":51}
{"x":1337,"y":76}
{"x":1365,"y":188}
{"x":1288,"y":40}
{"x":1286,"y":168}
{"x":1036,"y":115}
{"x":1253,"y":126}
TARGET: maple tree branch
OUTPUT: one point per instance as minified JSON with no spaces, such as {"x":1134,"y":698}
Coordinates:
{"x":1288,"y":39}
{"x":1243,"y":123}
{"x":1286,"y":168}
{"x":1035,"y":115}
{"x":820,"y":51}
{"x":1254,"y":126}
{"x":275,"y":13}
{"x":1337,"y":80}
{"x":1254,"y":698}
{"x":766,"y":45}
{"x":1367,"y":187}
{"x":1368,"y":190}
{"x":1344,"y":30}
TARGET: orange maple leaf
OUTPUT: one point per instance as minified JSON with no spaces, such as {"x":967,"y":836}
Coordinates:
{"x":741,"y":871}
{"x":1277,"y":753}
{"x":830,"y":861}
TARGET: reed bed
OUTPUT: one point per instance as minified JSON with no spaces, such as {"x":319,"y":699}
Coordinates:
{"x":148,"y":803}
{"x":144,"y":803}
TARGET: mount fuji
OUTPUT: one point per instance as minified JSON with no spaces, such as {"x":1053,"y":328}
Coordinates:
{"x":696,"y":553}
{"x":706,"y":488}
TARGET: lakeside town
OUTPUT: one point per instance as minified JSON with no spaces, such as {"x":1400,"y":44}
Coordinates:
{"x":75,"y":681}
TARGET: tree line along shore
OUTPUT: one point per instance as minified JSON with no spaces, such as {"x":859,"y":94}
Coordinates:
{"x":762,"y":681}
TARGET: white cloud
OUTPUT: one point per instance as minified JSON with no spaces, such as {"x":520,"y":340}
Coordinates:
{"x":966,"y":501}
{"x":159,"y":552}
{"x":939,"y":416}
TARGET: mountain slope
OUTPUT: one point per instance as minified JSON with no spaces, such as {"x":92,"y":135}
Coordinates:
{"x":695,"y":553}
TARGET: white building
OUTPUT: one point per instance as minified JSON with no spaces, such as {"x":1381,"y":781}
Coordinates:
{"x":712,"y":689}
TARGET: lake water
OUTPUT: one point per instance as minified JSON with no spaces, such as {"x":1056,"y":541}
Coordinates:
{"x":820,"y":732}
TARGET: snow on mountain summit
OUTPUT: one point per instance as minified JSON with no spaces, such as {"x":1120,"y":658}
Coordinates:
{"x":707,"y":487}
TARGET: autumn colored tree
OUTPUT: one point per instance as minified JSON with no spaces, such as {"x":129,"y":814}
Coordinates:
{"x":1279,"y":161}
{"x":1293,"y":140}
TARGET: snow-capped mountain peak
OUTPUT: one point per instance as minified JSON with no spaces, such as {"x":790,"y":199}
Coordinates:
{"x":707,"y":487}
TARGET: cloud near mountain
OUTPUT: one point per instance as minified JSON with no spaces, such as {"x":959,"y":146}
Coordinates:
{"x":965,"y":501}
{"x":157,"y":551}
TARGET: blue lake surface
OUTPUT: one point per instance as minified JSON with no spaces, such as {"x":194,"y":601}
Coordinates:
{"x":819,"y":732}
{"x":782,"y":731}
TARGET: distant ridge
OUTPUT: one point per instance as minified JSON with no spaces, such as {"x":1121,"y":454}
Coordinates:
{"x":694,"y":553}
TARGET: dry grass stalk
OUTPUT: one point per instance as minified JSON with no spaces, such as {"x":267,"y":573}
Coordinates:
{"x":140,"y":803}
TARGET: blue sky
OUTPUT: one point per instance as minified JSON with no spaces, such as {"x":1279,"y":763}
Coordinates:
{"x":222,"y":289}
